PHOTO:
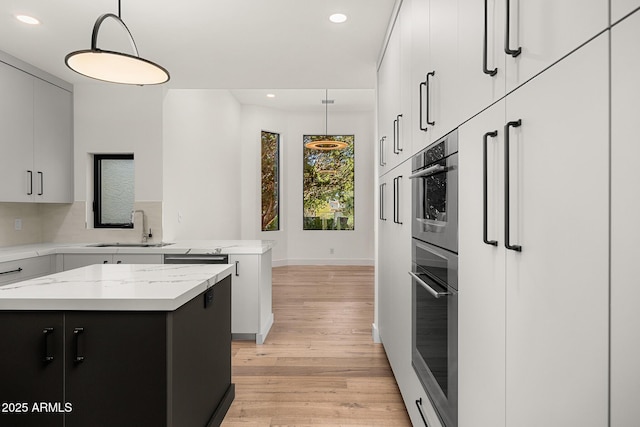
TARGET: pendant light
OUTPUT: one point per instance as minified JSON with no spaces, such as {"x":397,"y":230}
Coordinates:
{"x":115,"y":67}
{"x":326,"y":144}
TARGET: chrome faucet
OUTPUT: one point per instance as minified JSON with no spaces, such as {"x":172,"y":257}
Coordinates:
{"x":145,"y":235}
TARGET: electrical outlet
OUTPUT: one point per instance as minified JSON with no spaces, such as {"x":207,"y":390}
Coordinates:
{"x":331,"y":251}
{"x":18,"y":224}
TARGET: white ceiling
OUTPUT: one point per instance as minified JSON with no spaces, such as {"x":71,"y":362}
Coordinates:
{"x":217,"y":44}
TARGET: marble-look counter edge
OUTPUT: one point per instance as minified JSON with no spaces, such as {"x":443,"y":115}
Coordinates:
{"x":230,"y":247}
{"x":139,"y":287}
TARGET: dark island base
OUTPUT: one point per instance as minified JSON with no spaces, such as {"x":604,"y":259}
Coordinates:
{"x":223,"y":407}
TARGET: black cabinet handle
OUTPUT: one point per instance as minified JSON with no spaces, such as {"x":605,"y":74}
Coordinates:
{"x":507,"y":32}
{"x":507,"y":243}
{"x":421,"y":101}
{"x":119,"y":262}
{"x":105,"y":262}
{"x":17,"y":270}
{"x":395,"y":135}
{"x":432,"y":74}
{"x":41,"y":183}
{"x":398,"y":117}
{"x":382,"y":186}
{"x":30,"y":183}
{"x":396,"y":199}
{"x":78,"y":354}
{"x":237,"y":268}
{"x":382,"y":162}
{"x":419,"y":405}
{"x":47,"y":332}
{"x":484,"y":46}
{"x":484,"y":186}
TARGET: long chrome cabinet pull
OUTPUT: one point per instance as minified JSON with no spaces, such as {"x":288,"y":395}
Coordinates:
{"x":484,"y":51}
{"x":428,"y":171}
{"x":492,"y":134}
{"x":382,"y":201}
{"x":17,"y":270}
{"x":432,"y":74}
{"x":421,"y":101}
{"x":426,"y":286}
{"x":47,"y":356}
{"x":507,"y":243}
{"x":507,"y":33}
{"x":382,"y":162}
{"x":419,"y":405}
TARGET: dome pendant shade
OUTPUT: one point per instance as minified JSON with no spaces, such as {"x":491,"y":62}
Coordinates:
{"x":115,"y":67}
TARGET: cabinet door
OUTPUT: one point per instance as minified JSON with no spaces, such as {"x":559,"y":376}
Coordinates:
{"x":547,"y":30}
{"x":116,"y":368}
{"x":420,"y":66}
{"x":625,"y":228}
{"x":443,"y":88}
{"x":620,"y":8}
{"x":16,"y":143}
{"x":31,"y":367}
{"x":53,"y":144}
{"x":389,"y":99}
{"x":137,"y":259}
{"x":245,"y":295}
{"x":71,"y":261}
{"x":556,"y":289}
{"x":481,"y":69}
{"x":481,"y":280}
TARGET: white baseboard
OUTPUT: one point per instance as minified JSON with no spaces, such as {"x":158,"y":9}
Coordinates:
{"x":375,"y":334}
{"x":325,"y":261}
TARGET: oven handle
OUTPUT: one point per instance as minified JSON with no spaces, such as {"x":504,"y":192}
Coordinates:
{"x":428,"y":288}
{"x":428,"y":171}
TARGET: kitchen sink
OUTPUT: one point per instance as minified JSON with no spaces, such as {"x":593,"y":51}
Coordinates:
{"x":129,"y":245}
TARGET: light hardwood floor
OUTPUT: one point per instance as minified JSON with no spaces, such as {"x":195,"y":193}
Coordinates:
{"x":319,"y":365}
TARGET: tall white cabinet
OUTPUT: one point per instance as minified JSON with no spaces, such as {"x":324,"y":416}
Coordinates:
{"x":625,"y":225}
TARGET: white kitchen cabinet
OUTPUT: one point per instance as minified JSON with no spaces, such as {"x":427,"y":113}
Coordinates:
{"x":53,"y":143}
{"x":251,"y":301}
{"x":36,"y":148}
{"x":394,"y":103}
{"x":625,"y":228}
{"x":28,"y":268}
{"x":555,"y":322}
{"x":16,"y":142}
{"x":621,"y":8}
{"x":420,"y":66}
{"x":481,"y":72}
{"x":71,"y":261}
{"x":481,"y":275}
{"x":547,"y":30}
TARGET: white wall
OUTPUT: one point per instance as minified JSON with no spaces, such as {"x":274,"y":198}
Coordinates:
{"x":201,"y":165}
{"x":294,"y":245}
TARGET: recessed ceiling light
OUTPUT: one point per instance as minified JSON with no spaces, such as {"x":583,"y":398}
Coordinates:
{"x":338,"y":18}
{"x":27,"y":19}
{"x":271,"y":95}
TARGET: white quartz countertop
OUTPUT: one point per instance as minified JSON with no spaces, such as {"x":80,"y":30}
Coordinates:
{"x":230,"y":247}
{"x":117,"y":287}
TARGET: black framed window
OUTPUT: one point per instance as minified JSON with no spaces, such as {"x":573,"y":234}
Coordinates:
{"x":270,"y":181}
{"x":113,"y":190}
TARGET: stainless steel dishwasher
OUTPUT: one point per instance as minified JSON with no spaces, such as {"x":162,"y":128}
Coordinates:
{"x":196,"y":259}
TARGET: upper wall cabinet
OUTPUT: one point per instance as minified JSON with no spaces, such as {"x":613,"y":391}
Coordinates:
{"x":621,"y":8}
{"x":36,"y":144}
{"x":481,"y":55}
{"x":435,"y":70}
{"x":538,"y":33}
{"x":394,"y":103}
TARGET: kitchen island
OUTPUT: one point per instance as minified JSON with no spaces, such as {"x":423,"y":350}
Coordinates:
{"x":124,"y":345}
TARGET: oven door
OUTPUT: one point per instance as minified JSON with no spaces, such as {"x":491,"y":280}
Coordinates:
{"x":435,"y":203}
{"x":435,"y":328}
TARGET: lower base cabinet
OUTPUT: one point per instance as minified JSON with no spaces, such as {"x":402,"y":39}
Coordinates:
{"x":77,"y":368}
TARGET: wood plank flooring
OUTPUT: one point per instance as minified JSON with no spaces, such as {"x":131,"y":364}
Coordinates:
{"x":319,"y":365}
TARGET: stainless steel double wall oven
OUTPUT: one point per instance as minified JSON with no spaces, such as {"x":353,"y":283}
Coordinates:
{"x":435,"y":274}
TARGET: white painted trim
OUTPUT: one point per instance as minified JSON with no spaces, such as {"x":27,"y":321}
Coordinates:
{"x":262,"y":336}
{"x":325,"y":261}
{"x":34,"y":71}
{"x":375,"y":334}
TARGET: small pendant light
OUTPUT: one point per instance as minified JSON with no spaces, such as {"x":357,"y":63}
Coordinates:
{"x":115,"y":67}
{"x":326,"y":143}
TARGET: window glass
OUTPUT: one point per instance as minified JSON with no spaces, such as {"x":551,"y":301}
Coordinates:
{"x":114,"y":190}
{"x":328,"y":187}
{"x":270,"y":181}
